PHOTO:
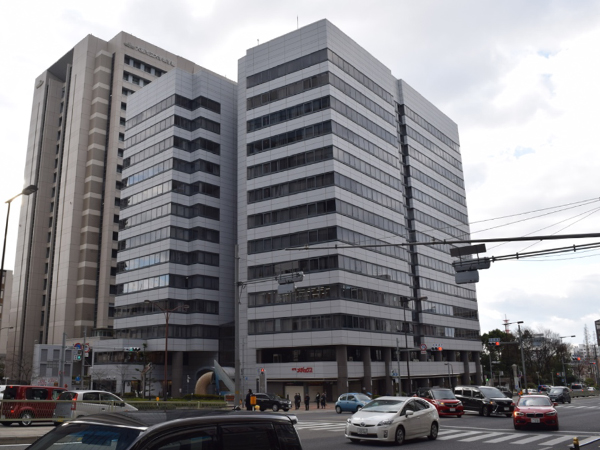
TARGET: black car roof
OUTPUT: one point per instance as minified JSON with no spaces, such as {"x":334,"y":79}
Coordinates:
{"x":147,"y":419}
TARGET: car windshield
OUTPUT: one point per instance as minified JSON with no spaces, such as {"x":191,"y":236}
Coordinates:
{"x":534,"y":401}
{"x":556,"y":391}
{"x":384,"y":406}
{"x":442,"y":393}
{"x":491,"y":392}
{"x":576,"y":386}
{"x":87,"y":437}
{"x":362,"y":398}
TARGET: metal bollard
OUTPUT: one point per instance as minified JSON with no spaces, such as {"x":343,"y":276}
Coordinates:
{"x":575,"y":443}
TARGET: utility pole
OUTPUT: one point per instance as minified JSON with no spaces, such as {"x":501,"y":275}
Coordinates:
{"x":238,"y":371}
{"x":398,"y":361}
{"x":61,"y":374}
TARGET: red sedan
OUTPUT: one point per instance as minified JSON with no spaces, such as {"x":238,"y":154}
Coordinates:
{"x":535,"y":410}
{"x":444,"y":401}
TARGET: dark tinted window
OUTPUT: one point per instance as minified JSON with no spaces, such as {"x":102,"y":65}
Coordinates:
{"x":248,"y":437}
{"x":67,"y":396}
{"x":10,"y":393}
{"x":87,"y":437}
{"x":442,"y":393}
{"x":204,"y":438}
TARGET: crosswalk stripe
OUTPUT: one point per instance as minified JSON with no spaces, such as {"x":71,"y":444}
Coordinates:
{"x":502,"y":438}
{"x":480,"y":437}
{"x":530,"y":439}
{"x":455,"y":436}
{"x":557,"y":440}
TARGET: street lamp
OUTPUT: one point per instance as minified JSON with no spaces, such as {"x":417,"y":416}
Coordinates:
{"x":167,"y":313}
{"x":450,"y":367}
{"x":563,"y":357}
{"x":522,"y":355}
{"x":27,"y":191}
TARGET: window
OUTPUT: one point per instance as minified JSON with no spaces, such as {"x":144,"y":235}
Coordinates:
{"x":123,"y":106}
{"x":201,"y":438}
{"x":121,"y":137}
{"x":122,"y":121}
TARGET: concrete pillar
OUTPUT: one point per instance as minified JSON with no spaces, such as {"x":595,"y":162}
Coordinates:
{"x":177,"y":374}
{"x":437,"y":356}
{"x":478,"y":373}
{"x":367,"y":380}
{"x":387,"y":356}
{"x":452,"y":355}
{"x":466,"y":376}
{"x":341,"y":356}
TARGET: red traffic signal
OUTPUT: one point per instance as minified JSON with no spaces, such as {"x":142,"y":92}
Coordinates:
{"x":497,"y":344}
{"x":578,"y":358}
{"x":262,"y":370}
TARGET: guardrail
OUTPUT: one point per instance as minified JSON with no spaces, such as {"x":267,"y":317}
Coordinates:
{"x":25,"y":412}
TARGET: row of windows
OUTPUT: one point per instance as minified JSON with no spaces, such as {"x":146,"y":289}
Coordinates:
{"x":450,"y":289}
{"x":179,"y":165}
{"x":324,"y":322}
{"x":321,"y":235}
{"x":170,"y":280}
{"x":316,"y":81}
{"x":144,"y":66}
{"x":435,"y":264}
{"x":175,"y":100}
{"x":173,"y":142}
{"x":325,"y":180}
{"x":193,"y":306}
{"x":177,"y":187}
{"x":405,"y":110}
{"x":175,"y":331}
{"x":330,"y":292}
{"x":436,"y":185}
{"x":408,"y":131}
{"x":177,"y":121}
{"x":440,"y":206}
{"x":181,"y":234}
{"x":135,"y":79}
{"x":323,"y":207}
{"x":311,"y":60}
{"x":316,"y":105}
{"x":438,"y":224}
{"x":321,"y":129}
{"x":197,"y":210}
{"x":449,"y":332}
{"x":323,"y":154}
{"x":326,"y":263}
{"x":438,"y":168}
{"x":448,"y":310}
{"x":172,"y":256}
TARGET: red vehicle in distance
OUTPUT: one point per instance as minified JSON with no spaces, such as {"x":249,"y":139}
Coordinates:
{"x":535,"y":410}
{"x":444,"y":401}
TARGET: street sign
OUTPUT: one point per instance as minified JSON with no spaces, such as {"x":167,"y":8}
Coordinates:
{"x":423,"y":349}
{"x":77,"y":346}
{"x":475,"y":264}
{"x":471,"y":276}
{"x":493,"y":340}
{"x":467,"y":250}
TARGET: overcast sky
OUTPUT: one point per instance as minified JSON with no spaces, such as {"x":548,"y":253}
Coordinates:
{"x":520,"y":78}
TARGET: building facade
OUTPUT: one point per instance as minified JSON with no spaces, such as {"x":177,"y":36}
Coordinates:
{"x":341,"y":167}
{"x":177,"y":227}
{"x":319,"y":164}
{"x":66,"y":259}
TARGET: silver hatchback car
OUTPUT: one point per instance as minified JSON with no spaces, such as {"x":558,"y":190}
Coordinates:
{"x":72,"y":404}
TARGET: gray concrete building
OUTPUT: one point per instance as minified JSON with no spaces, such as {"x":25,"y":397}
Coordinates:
{"x":338,"y":159}
{"x":65,"y":266}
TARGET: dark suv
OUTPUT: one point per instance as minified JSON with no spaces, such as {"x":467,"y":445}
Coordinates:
{"x":272,"y":401}
{"x":560,"y":394}
{"x":486,"y":400}
{"x":175,"y":429}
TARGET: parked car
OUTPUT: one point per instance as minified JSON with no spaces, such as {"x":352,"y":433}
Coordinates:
{"x":40,"y":404}
{"x":543,"y":388}
{"x":393,"y":419}
{"x":486,"y":400}
{"x":175,"y":429}
{"x":560,"y":394}
{"x":590,"y":388}
{"x":351,"y":402}
{"x":272,"y":401}
{"x":535,"y":410}
{"x":578,"y":387}
{"x":444,"y":401}
{"x":72,"y":404}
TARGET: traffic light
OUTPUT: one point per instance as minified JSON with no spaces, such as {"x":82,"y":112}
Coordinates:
{"x":77,"y":355}
{"x":497,"y":344}
{"x":578,"y":358}
{"x":436,"y":349}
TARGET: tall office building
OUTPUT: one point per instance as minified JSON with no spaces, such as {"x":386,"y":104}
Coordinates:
{"x":337,"y":160}
{"x":178,"y":226}
{"x":341,"y":172}
{"x":65,"y":267}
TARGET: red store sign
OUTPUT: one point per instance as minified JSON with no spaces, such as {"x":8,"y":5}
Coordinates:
{"x":302,"y":369}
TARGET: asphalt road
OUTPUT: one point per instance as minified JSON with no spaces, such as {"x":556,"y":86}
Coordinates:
{"x":324,"y":430}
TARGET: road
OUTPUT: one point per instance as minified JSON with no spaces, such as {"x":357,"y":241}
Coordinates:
{"x":324,"y":430}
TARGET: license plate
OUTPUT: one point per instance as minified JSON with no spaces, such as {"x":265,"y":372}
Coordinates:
{"x":535,"y":420}
{"x":362,"y":431}
{"x":506,"y":408}
{"x":452,"y":409}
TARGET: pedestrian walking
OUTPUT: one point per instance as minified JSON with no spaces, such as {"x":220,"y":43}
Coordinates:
{"x":307,"y":401}
{"x":318,"y":400}
{"x":297,"y":400}
{"x":323,"y":400}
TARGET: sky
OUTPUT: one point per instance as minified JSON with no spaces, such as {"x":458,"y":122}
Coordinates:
{"x":519,"y":78}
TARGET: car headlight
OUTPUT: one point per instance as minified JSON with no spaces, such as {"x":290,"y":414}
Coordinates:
{"x":519,"y":414}
{"x":385,"y":423}
{"x":348,"y":421}
{"x":551,"y":413}
{"x":459,"y":403}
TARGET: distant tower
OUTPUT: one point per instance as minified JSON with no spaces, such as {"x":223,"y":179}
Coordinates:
{"x":506,"y":328}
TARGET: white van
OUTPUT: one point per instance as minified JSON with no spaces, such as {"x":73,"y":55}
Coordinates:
{"x":72,"y":404}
